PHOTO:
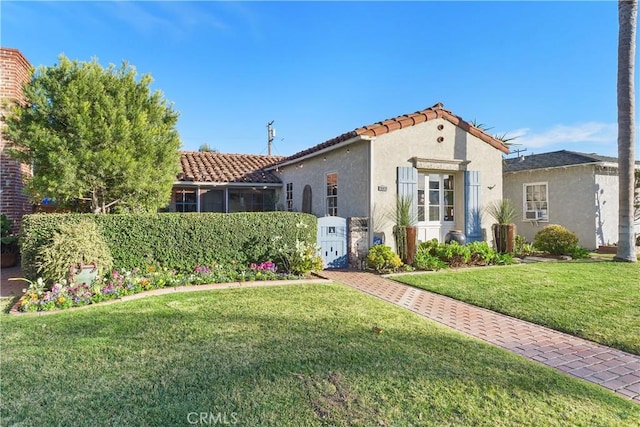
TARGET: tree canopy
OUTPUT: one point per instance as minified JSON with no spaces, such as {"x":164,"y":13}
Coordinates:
{"x":97,"y":138}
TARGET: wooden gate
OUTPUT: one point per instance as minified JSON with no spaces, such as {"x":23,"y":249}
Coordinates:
{"x":332,"y":240}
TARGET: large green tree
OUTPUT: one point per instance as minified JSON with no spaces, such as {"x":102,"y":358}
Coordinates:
{"x":98,"y":139}
{"x":627,"y":18}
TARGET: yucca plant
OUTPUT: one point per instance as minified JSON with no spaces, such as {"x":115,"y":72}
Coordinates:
{"x":504,"y":231}
{"x":502,"y":211}
{"x":404,"y":216}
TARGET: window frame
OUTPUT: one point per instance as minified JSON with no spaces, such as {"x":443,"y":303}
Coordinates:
{"x":289,"y":196}
{"x":537,"y":212}
{"x":331,"y":209}
{"x":179,"y":199}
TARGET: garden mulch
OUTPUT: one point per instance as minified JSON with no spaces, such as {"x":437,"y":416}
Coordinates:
{"x":613,"y":369}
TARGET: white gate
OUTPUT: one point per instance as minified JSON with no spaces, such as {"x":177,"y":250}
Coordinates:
{"x":332,"y":240}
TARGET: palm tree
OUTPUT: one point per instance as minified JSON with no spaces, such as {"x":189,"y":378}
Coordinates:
{"x":627,"y":16}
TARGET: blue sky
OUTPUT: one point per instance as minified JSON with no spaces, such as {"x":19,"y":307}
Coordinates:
{"x":542,"y":71}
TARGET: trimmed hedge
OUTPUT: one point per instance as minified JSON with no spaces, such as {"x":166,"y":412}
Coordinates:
{"x":176,"y":240}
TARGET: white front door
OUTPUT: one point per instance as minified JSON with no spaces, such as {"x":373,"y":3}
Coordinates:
{"x":435,"y":205}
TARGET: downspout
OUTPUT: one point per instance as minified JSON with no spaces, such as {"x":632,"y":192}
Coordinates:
{"x":198,"y":199}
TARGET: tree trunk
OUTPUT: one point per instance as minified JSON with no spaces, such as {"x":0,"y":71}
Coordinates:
{"x":627,"y":16}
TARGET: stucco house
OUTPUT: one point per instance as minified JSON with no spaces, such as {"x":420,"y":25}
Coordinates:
{"x":576,"y":190}
{"x":448,"y":167}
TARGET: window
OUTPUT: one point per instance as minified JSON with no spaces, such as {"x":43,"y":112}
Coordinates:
{"x":332,"y":194}
{"x":536,"y":201}
{"x":212,"y":201}
{"x":185,"y":200}
{"x":289,"y":195}
{"x":249,"y":200}
{"x":435,"y":197}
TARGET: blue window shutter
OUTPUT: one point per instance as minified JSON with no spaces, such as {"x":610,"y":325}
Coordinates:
{"x":408,"y":186}
{"x":472,"y":206}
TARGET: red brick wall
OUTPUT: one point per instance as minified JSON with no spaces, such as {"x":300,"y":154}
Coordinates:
{"x":15,"y":70}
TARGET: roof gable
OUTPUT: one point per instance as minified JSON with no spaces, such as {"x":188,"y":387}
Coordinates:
{"x":404,"y":121}
{"x":227,"y":168}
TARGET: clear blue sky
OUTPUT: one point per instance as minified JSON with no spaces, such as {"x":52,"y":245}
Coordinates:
{"x":543,"y":71}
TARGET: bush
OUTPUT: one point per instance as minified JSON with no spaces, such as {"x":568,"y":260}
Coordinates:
{"x":176,"y":240}
{"x":432,"y":255}
{"x":555,"y":240}
{"x":425,"y":261}
{"x":382,"y":259}
{"x":74,"y":243}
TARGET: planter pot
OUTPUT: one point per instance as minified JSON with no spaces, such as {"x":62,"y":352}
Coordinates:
{"x":504,"y":237}
{"x":8,"y":260}
{"x":455,"y":236}
{"x":412,"y":238}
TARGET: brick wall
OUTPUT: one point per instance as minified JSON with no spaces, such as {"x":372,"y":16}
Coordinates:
{"x":15,"y":70}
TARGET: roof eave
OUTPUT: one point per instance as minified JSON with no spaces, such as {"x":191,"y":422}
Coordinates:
{"x":357,"y":138}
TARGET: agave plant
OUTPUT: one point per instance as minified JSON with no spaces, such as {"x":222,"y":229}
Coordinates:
{"x":502,"y":211}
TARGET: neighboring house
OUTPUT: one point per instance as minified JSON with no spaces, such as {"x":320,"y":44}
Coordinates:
{"x":450,"y":168}
{"x":15,"y":71}
{"x":576,"y":190}
{"x":217,"y":182}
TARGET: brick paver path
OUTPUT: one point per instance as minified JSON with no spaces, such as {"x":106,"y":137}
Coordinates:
{"x":610,"y":368}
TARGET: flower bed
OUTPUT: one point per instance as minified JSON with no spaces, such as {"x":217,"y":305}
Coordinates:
{"x":39,"y":297}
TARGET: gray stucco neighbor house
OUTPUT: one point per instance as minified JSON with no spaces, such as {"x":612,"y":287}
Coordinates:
{"x":576,"y":190}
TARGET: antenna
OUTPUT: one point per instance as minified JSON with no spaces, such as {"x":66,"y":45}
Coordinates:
{"x":271,"y":133}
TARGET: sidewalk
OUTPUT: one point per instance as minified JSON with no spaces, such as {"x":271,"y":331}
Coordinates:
{"x":613,"y":369}
{"x":14,"y":287}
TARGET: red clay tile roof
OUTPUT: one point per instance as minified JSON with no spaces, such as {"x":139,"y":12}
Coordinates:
{"x":227,"y":168}
{"x":390,"y":125}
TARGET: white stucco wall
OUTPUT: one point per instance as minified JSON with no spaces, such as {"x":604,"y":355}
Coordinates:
{"x":606,"y":213}
{"x":576,"y":196}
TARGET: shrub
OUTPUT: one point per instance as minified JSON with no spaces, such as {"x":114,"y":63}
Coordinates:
{"x":176,"y":240}
{"x":523,"y":248}
{"x":454,"y":254}
{"x":300,"y":259}
{"x":425,"y":261}
{"x":74,"y":243}
{"x":556,"y":240}
{"x":382,"y":259}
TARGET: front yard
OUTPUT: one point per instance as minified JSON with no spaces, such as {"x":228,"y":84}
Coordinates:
{"x":287,"y":355}
{"x":599,"y":301}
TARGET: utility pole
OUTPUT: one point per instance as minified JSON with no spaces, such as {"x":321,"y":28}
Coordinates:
{"x":271,"y":133}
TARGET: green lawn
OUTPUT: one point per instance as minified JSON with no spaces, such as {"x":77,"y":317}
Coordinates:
{"x":288,"y":356}
{"x":599,"y":301}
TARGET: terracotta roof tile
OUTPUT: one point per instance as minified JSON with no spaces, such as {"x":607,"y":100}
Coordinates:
{"x":227,"y":168}
{"x":403,"y":121}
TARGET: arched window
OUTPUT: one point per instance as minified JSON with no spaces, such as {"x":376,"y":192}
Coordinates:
{"x":306,"y":199}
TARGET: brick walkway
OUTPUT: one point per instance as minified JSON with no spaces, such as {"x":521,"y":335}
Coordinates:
{"x":610,"y":368}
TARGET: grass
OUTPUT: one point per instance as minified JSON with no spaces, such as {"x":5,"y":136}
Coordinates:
{"x":293,"y":355}
{"x":599,"y":301}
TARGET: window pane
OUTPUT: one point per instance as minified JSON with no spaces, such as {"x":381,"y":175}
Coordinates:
{"x":434,"y":213}
{"x":420,"y":213}
{"x":448,"y":213}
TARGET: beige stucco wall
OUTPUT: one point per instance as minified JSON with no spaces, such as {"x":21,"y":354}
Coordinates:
{"x":352,"y":165}
{"x":575,"y":195}
{"x":606,"y":206}
{"x":399,"y":147}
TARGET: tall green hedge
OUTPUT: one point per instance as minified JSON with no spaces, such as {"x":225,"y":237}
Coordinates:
{"x":175,"y":240}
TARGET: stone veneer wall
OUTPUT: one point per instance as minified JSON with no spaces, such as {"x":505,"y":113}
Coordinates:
{"x":15,"y":71}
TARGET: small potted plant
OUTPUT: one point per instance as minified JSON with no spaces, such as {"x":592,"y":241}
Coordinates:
{"x":9,"y":251}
